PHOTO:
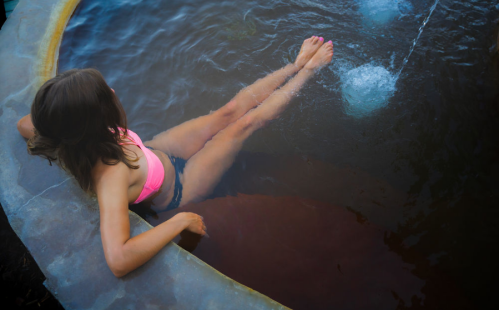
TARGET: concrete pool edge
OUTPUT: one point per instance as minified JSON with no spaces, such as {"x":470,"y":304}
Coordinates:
{"x":28,"y":58}
{"x":48,"y":53}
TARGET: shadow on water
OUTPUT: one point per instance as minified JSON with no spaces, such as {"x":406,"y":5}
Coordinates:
{"x":310,"y":254}
{"x":285,"y":245}
{"x":396,"y":209}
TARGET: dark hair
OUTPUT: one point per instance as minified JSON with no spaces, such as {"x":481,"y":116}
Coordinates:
{"x":77,"y":120}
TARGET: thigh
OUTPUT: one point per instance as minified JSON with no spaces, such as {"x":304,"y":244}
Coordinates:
{"x":189,"y":137}
{"x":205,"y":169}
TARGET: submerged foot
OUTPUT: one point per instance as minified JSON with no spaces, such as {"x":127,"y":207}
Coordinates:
{"x":308,"y":49}
{"x":322,"y":57}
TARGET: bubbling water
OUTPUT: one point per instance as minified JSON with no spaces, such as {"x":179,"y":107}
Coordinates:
{"x":380,"y":12}
{"x":367,"y":88}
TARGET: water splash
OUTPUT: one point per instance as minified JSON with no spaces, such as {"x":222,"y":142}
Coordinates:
{"x":367,"y":88}
{"x":406,"y":59}
{"x":380,"y":12}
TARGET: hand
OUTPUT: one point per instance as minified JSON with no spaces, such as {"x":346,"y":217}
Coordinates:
{"x":193,"y":222}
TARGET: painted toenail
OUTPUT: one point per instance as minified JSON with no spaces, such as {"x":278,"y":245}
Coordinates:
{"x":321,"y":38}
{"x":330,"y":42}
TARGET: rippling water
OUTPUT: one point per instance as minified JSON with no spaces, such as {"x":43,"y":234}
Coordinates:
{"x":410,"y":158}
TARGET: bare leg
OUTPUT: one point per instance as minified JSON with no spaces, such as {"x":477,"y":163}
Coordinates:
{"x":204,"y":170}
{"x":188,"y":138}
{"x":256,"y":93}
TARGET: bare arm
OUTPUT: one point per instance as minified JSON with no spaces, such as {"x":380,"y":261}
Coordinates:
{"x":25,"y":127}
{"x":124,"y":254}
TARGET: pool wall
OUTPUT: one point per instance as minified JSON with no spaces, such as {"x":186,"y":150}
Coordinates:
{"x":58,"y":222}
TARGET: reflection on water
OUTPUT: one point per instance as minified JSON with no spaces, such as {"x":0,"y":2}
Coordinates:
{"x":322,"y":207}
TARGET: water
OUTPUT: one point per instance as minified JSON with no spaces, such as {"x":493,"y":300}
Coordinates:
{"x":390,"y":203}
{"x":381,"y":12}
{"x":406,"y":59}
{"x":367,"y":88}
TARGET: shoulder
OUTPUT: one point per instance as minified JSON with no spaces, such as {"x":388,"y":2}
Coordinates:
{"x":105,"y":176}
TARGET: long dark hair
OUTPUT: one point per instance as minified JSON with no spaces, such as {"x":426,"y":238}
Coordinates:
{"x":77,"y":120}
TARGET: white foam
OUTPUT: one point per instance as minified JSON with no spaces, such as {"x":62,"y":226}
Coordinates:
{"x":381,"y":12}
{"x":367,"y":88}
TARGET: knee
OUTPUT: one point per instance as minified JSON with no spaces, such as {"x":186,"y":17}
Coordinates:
{"x":229,"y":110}
{"x":246,"y":125}
{"x":253,"y":120}
{"x":247,"y":122}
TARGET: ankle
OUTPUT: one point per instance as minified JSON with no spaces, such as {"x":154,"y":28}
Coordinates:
{"x":309,"y":71}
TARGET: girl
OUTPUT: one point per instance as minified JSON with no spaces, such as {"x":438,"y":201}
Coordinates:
{"x":76,"y":118}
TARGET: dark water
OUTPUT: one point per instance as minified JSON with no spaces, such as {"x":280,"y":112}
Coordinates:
{"x":374,"y":190}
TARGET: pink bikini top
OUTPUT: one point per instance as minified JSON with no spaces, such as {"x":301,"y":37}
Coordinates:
{"x":155,"y":170}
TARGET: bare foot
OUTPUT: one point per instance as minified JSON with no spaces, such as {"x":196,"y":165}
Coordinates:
{"x":322,"y":57}
{"x":308,"y":49}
